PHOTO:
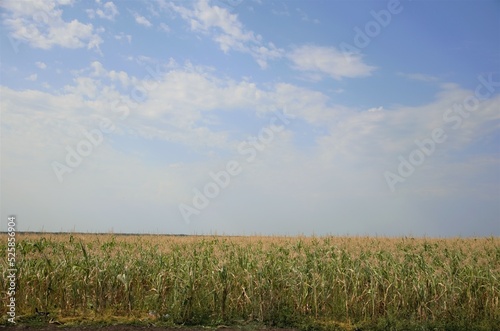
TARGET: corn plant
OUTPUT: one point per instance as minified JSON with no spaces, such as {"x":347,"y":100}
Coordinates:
{"x":301,"y":282}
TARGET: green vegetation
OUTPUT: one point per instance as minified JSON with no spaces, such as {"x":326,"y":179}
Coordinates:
{"x":324,"y":283}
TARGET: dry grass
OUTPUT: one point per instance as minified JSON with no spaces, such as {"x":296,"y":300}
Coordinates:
{"x":307,"y":282}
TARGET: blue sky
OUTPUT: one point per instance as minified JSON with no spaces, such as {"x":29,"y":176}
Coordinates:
{"x":251,"y":116}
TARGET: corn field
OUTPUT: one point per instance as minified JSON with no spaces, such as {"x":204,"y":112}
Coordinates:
{"x":328,"y":283}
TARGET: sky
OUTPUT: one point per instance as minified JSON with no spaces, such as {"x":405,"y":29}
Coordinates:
{"x":251,"y":117}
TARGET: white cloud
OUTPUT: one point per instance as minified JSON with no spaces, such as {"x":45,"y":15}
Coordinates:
{"x":329,"y":61}
{"x":40,"y":24}
{"x":32,"y":77}
{"x":341,"y":171}
{"x":179,"y":101}
{"x":142,"y":20}
{"x":374,"y":109}
{"x":110,"y":11}
{"x":381,"y":135}
{"x":227,"y":30}
{"x":107,"y":11}
{"x":311,"y":106}
{"x":41,"y":65}
{"x":164,"y":27}
{"x":123,"y":36}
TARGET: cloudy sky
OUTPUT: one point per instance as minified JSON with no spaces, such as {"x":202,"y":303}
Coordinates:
{"x":251,"y":116}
